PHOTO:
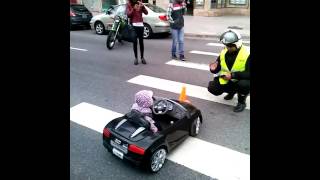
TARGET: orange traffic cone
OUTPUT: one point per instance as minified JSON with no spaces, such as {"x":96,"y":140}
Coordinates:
{"x":183,"y":95}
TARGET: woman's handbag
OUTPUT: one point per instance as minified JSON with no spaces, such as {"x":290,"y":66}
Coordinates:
{"x":128,"y":33}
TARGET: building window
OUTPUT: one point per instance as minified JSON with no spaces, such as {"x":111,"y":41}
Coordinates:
{"x":214,"y":4}
{"x":106,"y":4}
{"x":199,"y":3}
{"x":238,"y":2}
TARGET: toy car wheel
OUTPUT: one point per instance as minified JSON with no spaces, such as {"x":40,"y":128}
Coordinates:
{"x":195,"y":127}
{"x":157,"y":160}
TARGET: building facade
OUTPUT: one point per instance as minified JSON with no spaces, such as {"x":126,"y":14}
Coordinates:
{"x":222,"y":7}
{"x":213,"y":7}
{"x":194,"y":7}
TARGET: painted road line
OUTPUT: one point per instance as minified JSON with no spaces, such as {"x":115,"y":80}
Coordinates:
{"x":92,"y":116}
{"x":204,"y":53}
{"x":78,"y":49}
{"x":215,"y":44}
{"x":207,"y":158}
{"x":175,"y":87}
{"x":218,"y":44}
{"x":212,"y":160}
{"x":189,"y":65}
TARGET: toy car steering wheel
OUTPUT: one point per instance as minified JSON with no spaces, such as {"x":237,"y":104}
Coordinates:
{"x":160,"y":106}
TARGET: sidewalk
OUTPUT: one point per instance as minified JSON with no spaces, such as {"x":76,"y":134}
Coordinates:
{"x":213,"y":27}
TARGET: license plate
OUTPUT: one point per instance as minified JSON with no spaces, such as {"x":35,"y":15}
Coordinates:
{"x":123,"y":147}
{"x":84,"y":16}
{"x":117,"y":153}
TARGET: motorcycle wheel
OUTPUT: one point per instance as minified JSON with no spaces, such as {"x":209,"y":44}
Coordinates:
{"x":111,"y":40}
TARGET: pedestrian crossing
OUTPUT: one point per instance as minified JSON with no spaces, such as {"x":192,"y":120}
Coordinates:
{"x":175,"y":87}
{"x":187,"y":64}
{"x":204,"y":53}
{"x":215,"y":44}
{"x":207,"y":158}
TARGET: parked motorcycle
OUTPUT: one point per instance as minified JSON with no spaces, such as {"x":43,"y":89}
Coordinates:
{"x":120,"y":21}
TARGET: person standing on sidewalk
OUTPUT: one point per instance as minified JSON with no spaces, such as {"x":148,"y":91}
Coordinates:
{"x":232,"y":69}
{"x":135,"y":8}
{"x":175,"y":14}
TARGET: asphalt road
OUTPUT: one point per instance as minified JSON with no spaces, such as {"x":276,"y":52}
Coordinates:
{"x":99,"y":76}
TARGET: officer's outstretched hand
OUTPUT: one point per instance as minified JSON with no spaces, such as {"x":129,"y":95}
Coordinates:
{"x":213,"y":65}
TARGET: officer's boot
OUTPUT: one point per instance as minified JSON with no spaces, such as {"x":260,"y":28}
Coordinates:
{"x":241,"y":103}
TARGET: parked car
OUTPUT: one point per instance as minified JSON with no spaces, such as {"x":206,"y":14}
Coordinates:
{"x":129,"y":137}
{"x":79,"y":15}
{"x":154,"y":22}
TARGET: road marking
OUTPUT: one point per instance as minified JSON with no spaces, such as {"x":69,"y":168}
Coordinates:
{"x":212,"y":44}
{"x":78,"y":49}
{"x":189,"y":65}
{"x":92,"y":116}
{"x":175,"y":87}
{"x":212,"y":160}
{"x":207,"y":158}
{"x":204,"y":53}
{"x":215,"y":44}
{"x":221,"y":45}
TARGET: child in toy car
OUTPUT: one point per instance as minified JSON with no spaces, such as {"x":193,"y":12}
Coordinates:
{"x":143,"y":104}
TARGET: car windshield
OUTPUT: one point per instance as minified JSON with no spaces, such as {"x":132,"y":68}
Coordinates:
{"x":155,"y":8}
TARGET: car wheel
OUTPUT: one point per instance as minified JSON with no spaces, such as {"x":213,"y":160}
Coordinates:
{"x":99,"y":28}
{"x":195,"y":127}
{"x":157,"y":160}
{"x":147,"y":32}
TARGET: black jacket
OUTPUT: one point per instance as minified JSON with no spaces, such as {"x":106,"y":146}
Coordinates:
{"x":175,"y":15}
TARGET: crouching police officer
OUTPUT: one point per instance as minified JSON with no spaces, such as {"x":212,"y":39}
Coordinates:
{"x":232,"y":70}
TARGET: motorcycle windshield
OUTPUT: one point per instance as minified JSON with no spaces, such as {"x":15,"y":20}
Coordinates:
{"x":121,"y":11}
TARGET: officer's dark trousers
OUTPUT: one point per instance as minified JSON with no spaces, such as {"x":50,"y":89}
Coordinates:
{"x":241,"y":87}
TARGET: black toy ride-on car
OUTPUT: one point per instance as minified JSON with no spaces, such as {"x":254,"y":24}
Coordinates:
{"x":129,"y":137}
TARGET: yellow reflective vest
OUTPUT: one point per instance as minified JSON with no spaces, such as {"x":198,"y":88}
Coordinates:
{"x":238,"y":66}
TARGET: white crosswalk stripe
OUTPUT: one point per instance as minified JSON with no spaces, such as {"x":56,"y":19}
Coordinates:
{"x":175,"y":87}
{"x":189,"y":65}
{"x":204,"y":53}
{"x":79,"y":49}
{"x":215,"y":44}
{"x":202,"y":156}
{"x":221,"y":45}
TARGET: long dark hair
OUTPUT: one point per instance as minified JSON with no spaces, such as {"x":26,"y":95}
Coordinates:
{"x":133,"y":1}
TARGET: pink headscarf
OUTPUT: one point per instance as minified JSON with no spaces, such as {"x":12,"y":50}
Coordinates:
{"x":143,"y":101}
